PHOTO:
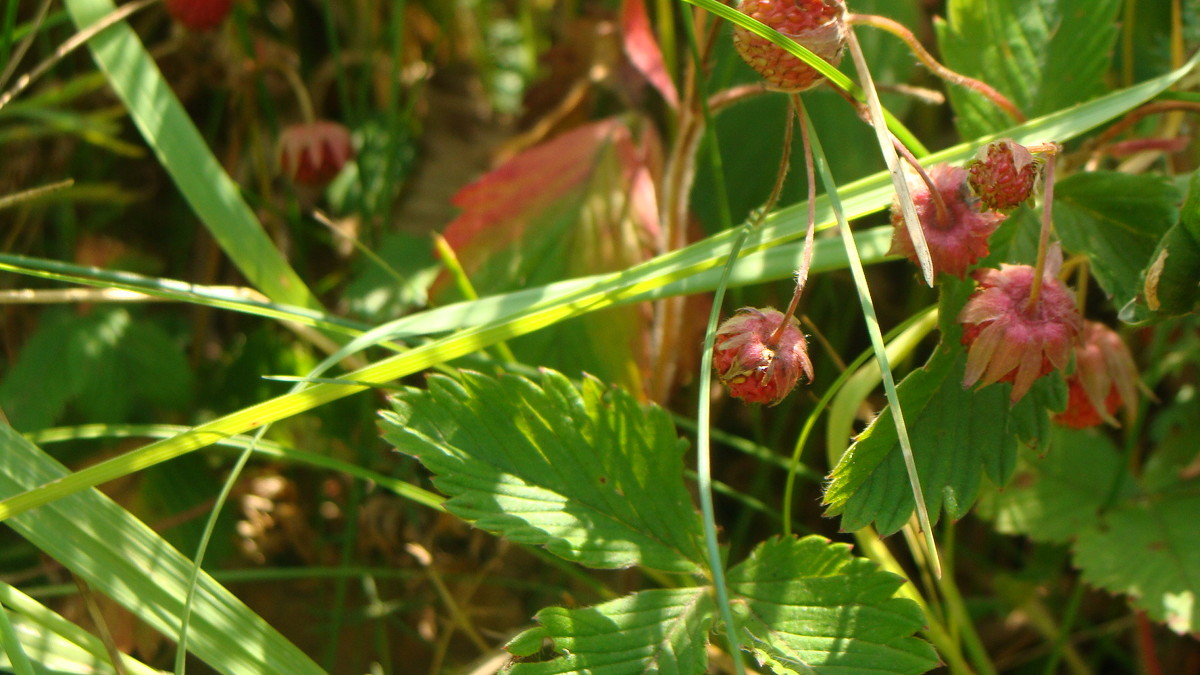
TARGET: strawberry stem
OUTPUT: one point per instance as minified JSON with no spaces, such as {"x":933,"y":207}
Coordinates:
{"x":797,"y":109}
{"x":1035,"y":289}
{"x":943,"y":214}
{"x":884,"y":23}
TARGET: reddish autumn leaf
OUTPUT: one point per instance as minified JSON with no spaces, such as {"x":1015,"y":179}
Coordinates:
{"x":643,"y":50}
{"x":582,"y":203}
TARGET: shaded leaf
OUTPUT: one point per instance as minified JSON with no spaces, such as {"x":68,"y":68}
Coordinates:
{"x":660,"y":630}
{"x":1044,"y":56}
{"x":588,"y":473}
{"x":1054,"y":496}
{"x":1149,"y":549}
{"x":376,"y":294}
{"x":1117,"y":220}
{"x":808,"y":605}
{"x":115,"y":363}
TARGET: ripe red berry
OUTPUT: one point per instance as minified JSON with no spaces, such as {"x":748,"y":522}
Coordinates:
{"x":957,"y":235}
{"x":1008,"y":338}
{"x":313,"y":153}
{"x":1003,"y":175}
{"x":1105,"y":378}
{"x":816,"y":24}
{"x":199,"y":15}
{"x":757,"y":361}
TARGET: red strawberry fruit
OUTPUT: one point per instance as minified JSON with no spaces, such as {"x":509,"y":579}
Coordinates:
{"x":199,"y":15}
{"x":1004,"y":175}
{"x":817,"y":24}
{"x":956,"y":231}
{"x":760,"y":355}
{"x":1010,"y":339}
{"x":313,"y":153}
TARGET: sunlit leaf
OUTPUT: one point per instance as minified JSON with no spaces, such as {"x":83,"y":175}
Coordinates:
{"x":660,"y":630}
{"x":1044,"y":56}
{"x":811,"y":606}
{"x":643,"y":51}
{"x":588,"y":473}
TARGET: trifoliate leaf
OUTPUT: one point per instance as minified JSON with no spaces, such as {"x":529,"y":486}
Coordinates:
{"x":808,"y":606}
{"x":957,"y":435}
{"x":1056,"y":495}
{"x":1149,"y":549}
{"x":588,"y":472}
{"x":655,"y":631}
{"x":1043,"y":56}
{"x":1117,"y":220}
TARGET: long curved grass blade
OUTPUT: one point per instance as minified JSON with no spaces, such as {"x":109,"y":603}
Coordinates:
{"x":873,"y":330}
{"x":118,"y":555}
{"x":168,"y":130}
{"x":856,"y":199}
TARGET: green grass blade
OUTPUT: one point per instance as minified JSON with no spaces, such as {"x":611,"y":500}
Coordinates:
{"x":118,"y":555}
{"x":60,"y":645}
{"x":168,"y":130}
{"x":877,"y":344}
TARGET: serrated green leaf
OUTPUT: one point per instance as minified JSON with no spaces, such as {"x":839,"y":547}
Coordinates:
{"x":1149,"y":549}
{"x":1055,"y":496}
{"x":1116,"y":219}
{"x":811,"y":606}
{"x":1044,"y":56}
{"x":589,"y":473}
{"x":956,"y":433}
{"x":528,"y":642}
{"x":656,"y":631}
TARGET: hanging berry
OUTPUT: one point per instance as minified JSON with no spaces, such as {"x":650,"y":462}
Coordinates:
{"x":1004,"y":174}
{"x":956,"y":231}
{"x":819,"y":25}
{"x":760,"y":354}
{"x":314,"y":152}
{"x":1009,"y":338}
{"x":1105,"y":379}
{"x":199,"y":15}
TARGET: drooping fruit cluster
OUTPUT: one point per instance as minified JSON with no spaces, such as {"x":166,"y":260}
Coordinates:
{"x":1003,"y":175}
{"x":1105,"y":378}
{"x":760,"y":355}
{"x":199,"y":15}
{"x":1011,"y":339}
{"x":313,"y":153}
{"x":817,"y":24}
{"x":956,"y":230}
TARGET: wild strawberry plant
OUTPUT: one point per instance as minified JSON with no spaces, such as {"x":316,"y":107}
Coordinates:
{"x":1008,"y":412}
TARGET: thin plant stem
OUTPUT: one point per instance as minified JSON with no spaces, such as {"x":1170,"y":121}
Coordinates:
{"x":71,"y":44}
{"x":1039,"y":267}
{"x":14,"y":59}
{"x":943,"y":214}
{"x":902,"y":32}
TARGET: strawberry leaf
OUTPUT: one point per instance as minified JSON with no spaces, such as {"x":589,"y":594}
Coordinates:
{"x":1044,"y":56}
{"x":660,"y":630}
{"x":1117,"y":220}
{"x":586,"y":472}
{"x":581,"y":203}
{"x":811,"y":607}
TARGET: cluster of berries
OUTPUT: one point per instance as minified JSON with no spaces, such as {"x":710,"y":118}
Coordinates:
{"x":1015,"y":330}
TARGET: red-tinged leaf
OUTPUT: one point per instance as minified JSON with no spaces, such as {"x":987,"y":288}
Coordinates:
{"x":583,"y":202}
{"x":643,"y":51}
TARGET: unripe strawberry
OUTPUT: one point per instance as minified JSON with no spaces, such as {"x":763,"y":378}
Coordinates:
{"x":757,"y":361}
{"x":313,"y":153}
{"x":1004,"y":174}
{"x":1105,"y":378}
{"x":816,"y":24}
{"x":958,"y":235}
{"x":1008,"y":338}
{"x":199,"y":15}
